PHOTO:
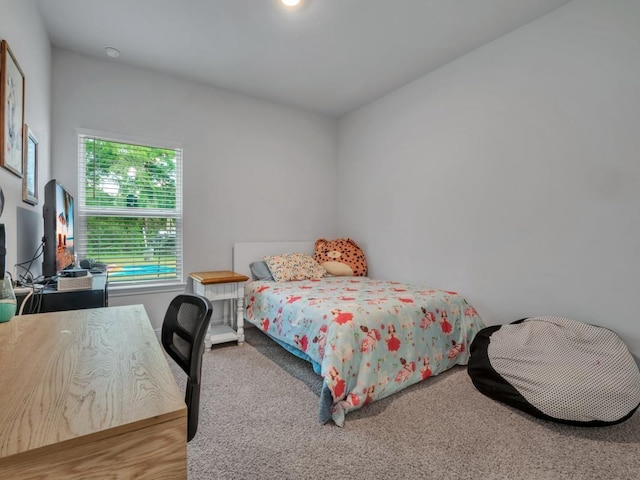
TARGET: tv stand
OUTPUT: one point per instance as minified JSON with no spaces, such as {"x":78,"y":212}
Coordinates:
{"x":52,"y":300}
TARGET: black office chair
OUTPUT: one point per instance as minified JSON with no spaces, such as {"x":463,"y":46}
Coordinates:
{"x":183,"y":330}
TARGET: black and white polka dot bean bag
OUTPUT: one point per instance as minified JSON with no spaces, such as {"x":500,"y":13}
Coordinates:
{"x":557,"y":369}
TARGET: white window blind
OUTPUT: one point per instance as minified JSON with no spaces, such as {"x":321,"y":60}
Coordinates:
{"x":130,"y":209}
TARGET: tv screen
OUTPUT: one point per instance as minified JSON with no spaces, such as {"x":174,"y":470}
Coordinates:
{"x":58,"y":229}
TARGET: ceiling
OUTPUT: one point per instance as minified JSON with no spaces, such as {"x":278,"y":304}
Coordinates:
{"x":327,"y":56}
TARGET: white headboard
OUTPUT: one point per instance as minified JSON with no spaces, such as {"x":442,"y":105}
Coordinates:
{"x":246,"y":252}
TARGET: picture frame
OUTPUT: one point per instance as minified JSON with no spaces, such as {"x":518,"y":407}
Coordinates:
{"x":11,"y":111}
{"x":30,"y":168}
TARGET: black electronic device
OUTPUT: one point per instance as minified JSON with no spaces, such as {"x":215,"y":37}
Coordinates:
{"x":87,"y":263}
{"x":93,"y":266}
{"x":58,"y":239}
{"x":3,"y":250}
{"x":73,"y":272}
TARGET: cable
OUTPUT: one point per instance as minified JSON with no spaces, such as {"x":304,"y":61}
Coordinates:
{"x":34,"y":295}
{"x":27,"y":277}
{"x":24,"y":302}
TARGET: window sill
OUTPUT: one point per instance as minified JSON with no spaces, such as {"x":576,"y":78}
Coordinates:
{"x":116,"y":290}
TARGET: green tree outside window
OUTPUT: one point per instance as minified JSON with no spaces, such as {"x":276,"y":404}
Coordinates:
{"x":130,"y":209}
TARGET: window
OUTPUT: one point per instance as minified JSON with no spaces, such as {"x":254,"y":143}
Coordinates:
{"x":130,"y":209}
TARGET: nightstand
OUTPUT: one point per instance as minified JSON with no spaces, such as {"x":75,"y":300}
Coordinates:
{"x":223,"y":285}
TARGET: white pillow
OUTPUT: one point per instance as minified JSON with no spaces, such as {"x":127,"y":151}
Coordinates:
{"x":294,"y":266}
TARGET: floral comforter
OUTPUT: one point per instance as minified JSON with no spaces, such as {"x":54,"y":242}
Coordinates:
{"x":371,"y":338}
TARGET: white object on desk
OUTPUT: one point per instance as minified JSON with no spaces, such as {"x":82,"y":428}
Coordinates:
{"x":65,"y":284}
{"x":222,"y":285}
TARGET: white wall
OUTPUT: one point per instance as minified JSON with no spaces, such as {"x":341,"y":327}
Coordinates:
{"x":512,"y":174}
{"x":253,"y":170}
{"x":21,"y":26}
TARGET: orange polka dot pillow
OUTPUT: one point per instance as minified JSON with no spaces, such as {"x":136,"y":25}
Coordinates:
{"x":341,"y":257}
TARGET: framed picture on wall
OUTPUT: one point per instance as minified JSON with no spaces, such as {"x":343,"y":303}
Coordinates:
{"x":30,"y":168}
{"x":11,"y":111}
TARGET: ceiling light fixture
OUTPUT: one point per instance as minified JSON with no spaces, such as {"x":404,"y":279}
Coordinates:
{"x":290,"y":3}
{"x":113,"y":52}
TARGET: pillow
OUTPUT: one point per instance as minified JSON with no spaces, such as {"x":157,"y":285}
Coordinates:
{"x":341,"y":257}
{"x":260,"y":271}
{"x":294,"y":266}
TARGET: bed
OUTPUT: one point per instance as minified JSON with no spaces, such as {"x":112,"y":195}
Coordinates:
{"x":367,"y":338}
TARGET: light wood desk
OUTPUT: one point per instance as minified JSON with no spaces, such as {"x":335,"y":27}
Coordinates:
{"x":88,"y":394}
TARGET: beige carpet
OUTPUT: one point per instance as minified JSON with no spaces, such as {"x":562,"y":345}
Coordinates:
{"x":258,"y":421}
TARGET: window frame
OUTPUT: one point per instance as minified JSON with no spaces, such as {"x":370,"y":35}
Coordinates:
{"x":82,"y":211}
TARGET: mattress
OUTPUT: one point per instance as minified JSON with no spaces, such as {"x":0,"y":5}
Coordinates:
{"x":367,"y":338}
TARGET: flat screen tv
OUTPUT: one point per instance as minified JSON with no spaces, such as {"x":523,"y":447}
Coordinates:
{"x":58,"y":229}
